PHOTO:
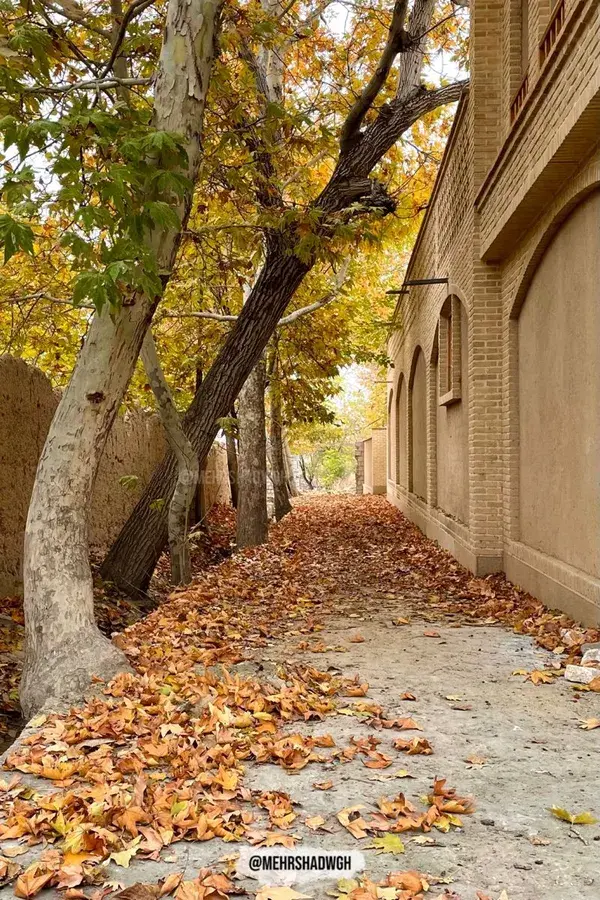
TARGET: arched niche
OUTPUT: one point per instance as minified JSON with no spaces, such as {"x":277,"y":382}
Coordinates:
{"x":417,"y":407}
{"x":401,"y":432}
{"x":556,"y":360}
{"x":449,"y":362}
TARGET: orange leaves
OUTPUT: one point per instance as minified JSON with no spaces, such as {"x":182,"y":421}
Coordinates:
{"x":377,"y":760}
{"x":205,"y":887}
{"x":352,"y":821}
{"x":398,"y":815}
{"x":446,"y":799}
{"x":279,"y":807}
{"x":414,"y":747}
{"x":355,"y":688}
{"x":32,"y":881}
{"x":590,"y":724}
{"x":537,"y":676}
{"x":130,"y":818}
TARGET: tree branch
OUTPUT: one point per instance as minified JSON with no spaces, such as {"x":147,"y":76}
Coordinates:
{"x":76,"y":15}
{"x":340,"y":278}
{"x":137,"y":7}
{"x":396,"y":42}
{"x":94,"y":84}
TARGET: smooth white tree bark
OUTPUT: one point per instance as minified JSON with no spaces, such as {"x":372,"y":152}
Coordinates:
{"x":63,"y":647}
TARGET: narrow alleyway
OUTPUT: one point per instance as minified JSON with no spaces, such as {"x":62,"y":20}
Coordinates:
{"x":316,"y":692}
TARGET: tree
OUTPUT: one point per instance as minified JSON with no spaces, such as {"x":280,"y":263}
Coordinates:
{"x":187,"y":465}
{"x":126,"y":183}
{"x":232,"y":460}
{"x":252,"y":518}
{"x":281,"y":498}
{"x":294,"y":240}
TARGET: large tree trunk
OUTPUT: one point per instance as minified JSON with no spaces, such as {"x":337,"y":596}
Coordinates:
{"x":232,"y":466}
{"x":63,"y":647}
{"x":252,"y":518}
{"x":187,"y":466}
{"x":132,"y":558}
{"x":278,"y":471}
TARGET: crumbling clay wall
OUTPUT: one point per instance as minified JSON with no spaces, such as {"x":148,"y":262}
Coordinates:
{"x":134,"y":448}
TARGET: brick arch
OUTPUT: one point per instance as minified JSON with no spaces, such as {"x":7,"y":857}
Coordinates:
{"x":417,"y":424}
{"x":391,"y":427}
{"x":453,"y":290}
{"x":400,"y":431}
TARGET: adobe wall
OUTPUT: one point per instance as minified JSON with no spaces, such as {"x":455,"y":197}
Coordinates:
{"x":135,"y":447}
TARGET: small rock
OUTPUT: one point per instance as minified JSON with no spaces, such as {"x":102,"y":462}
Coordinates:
{"x":592,"y":646}
{"x":524,"y":866}
{"x":581,"y":674}
{"x":591,"y":656}
{"x":488,"y":822}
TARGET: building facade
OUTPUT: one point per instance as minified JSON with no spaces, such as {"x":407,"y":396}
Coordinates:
{"x":494,"y":393}
{"x":371,"y":463}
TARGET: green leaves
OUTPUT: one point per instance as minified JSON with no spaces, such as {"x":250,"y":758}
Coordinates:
{"x":14,"y":236}
{"x":94,"y":287}
{"x":106,"y":287}
{"x":162,"y":215}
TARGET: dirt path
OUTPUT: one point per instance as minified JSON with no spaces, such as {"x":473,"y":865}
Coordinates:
{"x":346,"y":588}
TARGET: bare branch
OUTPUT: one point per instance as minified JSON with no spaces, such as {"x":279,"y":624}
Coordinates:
{"x":74,"y":14}
{"x":396,"y":42}
{"x":93,"y":84}
{"x":137,"y":7}
{"x":340,"y":278}
{"x":42,"y":295}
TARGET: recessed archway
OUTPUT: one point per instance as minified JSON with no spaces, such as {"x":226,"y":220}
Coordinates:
{"x":417,"y":426}
{"x":556,"y":364}
{"x":401,"y":432}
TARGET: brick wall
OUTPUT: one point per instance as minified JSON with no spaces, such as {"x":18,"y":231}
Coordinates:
{"x":506,"y":185}
{"x":373,"y":456}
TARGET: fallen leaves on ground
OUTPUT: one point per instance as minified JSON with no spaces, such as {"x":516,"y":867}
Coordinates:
{"x":538,"y":676}
{"x":590,"y":724}
{"x":389,"y":843}
{"x":280,"y":893}
{"x":409,"y":885}
{"x":160,"y":757}
{"x":414,"y":747}
{"x":475,"y":760}
{"x":584,"y":818}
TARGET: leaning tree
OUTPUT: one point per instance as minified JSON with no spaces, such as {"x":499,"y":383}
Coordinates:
{"x":297,"y":236}
{"x":104,"y":107}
